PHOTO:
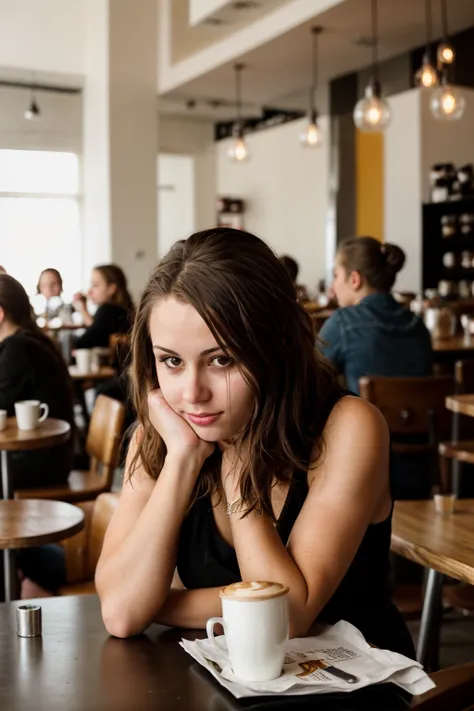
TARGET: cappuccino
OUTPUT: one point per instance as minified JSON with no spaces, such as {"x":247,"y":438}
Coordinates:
{"x":256,"y":628}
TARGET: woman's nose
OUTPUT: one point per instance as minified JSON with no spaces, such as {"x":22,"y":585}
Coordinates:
{"x":195,"y":387}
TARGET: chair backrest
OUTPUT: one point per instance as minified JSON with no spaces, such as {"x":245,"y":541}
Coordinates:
{"x":83,"y":549}
{"x":119,"y":344}
{"x":454,"y":690}
{"x":464,"y":376}
{"x":412,"y":406}
{"x":104,"y":435}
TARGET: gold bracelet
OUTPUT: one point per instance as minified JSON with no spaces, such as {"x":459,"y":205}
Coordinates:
{"x":233,"y":507}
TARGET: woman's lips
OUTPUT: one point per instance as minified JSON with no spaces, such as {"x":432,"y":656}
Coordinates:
{"x":203,"y":420}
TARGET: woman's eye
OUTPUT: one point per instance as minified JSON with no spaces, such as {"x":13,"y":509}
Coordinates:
{"x":221,"y":361}
{"x":172,"y":362}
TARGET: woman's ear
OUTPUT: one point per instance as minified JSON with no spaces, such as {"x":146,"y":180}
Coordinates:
{"x":355,"y":280}
{"x":2,"y":315}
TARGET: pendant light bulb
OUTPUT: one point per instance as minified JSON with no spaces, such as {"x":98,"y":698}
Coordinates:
{"x":33,"y":112}
{"x":312,"y":136}
{"x":445,"y":53}
{"x":447,"y":103}
{"x":426,"y":76}
{"x":238,"y":151}
{"x":372,"y":113}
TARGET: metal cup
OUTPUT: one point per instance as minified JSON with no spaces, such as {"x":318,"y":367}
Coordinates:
{"x":28,"y":621}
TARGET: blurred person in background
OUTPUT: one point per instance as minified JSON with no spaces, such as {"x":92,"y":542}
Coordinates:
{"x":115,"y":309}
{"x":291,"y":266}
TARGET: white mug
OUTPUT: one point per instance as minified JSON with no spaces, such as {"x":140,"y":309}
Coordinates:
{"x":3,"y":419}
{"x":84,"y":360}
{"x":28,"y":414}
{"x":256,"y":627}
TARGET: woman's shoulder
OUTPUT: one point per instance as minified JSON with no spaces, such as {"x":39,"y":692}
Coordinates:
{"x":353,"y":421}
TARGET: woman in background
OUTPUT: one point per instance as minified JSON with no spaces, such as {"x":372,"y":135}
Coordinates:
{"x":371,"y":333}
{"x":31,"y":368}
{"x":109,"y":292}
{"x":50,"y":283}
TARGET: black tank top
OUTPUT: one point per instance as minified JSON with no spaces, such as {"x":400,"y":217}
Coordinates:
{"x":206,"y":560}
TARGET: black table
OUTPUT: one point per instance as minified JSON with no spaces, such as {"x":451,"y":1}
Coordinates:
{"x":76,"y":666}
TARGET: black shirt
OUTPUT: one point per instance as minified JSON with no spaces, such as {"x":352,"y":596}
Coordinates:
{"x":108,"y":319}
{"x":31,"y":370}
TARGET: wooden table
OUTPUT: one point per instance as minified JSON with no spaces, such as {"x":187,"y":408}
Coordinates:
{"x":461,"y":404}
{"x":443,"y":544}
{"x":102,"y":373}
{"x":75,"y":665}
{"x":48,"y":434}
{"x":33,"y":522}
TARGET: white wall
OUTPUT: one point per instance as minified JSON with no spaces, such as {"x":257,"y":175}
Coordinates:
{"x":176,"y":213}
{"x":402,"y":185}
{"x":285,"y":187}
{"x":196,"y":139}
{"x":44,"y":35}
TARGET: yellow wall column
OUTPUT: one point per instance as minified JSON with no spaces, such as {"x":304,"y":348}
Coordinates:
{"x":369,"y":184}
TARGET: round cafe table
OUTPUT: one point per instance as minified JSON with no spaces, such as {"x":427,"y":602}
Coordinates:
{"x":48,"y":434}
{"x":33,"y":522}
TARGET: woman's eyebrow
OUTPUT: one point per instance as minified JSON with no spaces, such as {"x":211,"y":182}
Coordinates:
{"x":203,"y":353}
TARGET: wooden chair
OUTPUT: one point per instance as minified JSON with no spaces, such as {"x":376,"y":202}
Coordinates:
{"x":415,"y":410}
{"x":412,"y":406}
{"x":83,"y":549}
{"x":119,"y":344}
{"x":454,"y":690}
{"x":102,"y":445}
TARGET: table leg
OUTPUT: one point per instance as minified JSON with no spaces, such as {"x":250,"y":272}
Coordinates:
{"x":456,"y":471}
{"x":428,"y":641}
{"x":10,"y":576}
{"x":6,"y":484}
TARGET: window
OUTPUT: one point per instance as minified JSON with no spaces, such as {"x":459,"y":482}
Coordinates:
{"x":40,"y":220}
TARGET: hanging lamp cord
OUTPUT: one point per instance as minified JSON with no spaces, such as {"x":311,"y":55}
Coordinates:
{"x":444,"y":19}
{"x":238,"y":93}
{"x":375,"y":41}
{"x":429,"y":23}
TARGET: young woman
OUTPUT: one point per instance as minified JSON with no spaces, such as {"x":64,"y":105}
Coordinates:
{"x":50,"y":283}
{"x":109,"y":292}
{"x":372,"y":334}
{"x":31,"y":368}
{"x":249,"y":463}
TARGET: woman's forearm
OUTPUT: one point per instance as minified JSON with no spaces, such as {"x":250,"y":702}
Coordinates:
{"x":190,"y":608}
{"x":262,"y":556}
{"x":134,"y":580}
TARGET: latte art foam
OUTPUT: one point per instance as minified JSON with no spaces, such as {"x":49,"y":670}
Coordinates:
{"x":253,"y":590}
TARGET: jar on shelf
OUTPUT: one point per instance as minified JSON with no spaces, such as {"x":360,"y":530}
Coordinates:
{"x":448,"y":225}
{"x":447,"y":289}
{"x":466,"y":259}
{"x":464,"y":289}
{"x":449,"y":260}
{"x":466,"y":222}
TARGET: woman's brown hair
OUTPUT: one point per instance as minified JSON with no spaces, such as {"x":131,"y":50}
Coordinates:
{"x":121,"y":297}
{"x":377,"y":262}
{"x":16,"y":305}
{"x":247,"y":299}
{"x":53,"y":271}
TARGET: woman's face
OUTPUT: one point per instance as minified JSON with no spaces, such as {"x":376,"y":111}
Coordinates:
{"x":198,"y":380}
{"x":343,"y":285}
{"x":49,"y":285}
{"x":100,"y":291}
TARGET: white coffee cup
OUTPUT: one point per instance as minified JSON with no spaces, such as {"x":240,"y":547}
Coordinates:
{"x":28,"y":414}
{"x":256,"y":627}
{"x":84,"y":360}
{"x":3,"y":419}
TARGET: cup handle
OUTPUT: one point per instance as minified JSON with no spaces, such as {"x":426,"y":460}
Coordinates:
{"x":45,"y":413}
{"x":210,"y":624}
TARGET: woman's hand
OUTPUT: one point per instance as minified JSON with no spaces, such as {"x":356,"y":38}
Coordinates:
{"x":179,"y":437}
{"x":79,"y":302}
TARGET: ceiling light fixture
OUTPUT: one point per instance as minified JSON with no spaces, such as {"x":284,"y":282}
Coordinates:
{"x":312,"y":136}
{"x":447,"y":102}
{"x":427,"y":75}
{"x":445,"y":51}
{"x":238,"y":151}
{"x":372,"y":113}
{"x":33,"y":111}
